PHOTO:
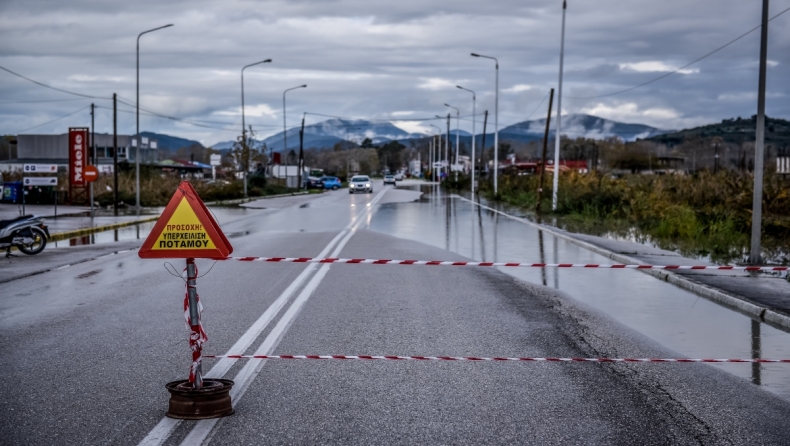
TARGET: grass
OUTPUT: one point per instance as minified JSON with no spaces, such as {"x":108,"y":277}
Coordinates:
{"x":704,"y":215}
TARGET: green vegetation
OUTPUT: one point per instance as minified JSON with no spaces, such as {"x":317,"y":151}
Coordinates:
{"x":699,"y":215}
{"x":156,"y":190}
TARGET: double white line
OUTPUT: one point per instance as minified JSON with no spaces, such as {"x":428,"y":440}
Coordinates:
{"x":202,"y":429}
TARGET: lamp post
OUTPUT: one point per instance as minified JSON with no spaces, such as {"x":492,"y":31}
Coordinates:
{"x":496,"y":119}
{"x":285,"y":133}
{"x":139,"y":142}
{"x":457,"y":137}
{"x":474,"y":118}
{"x":243,"y":126}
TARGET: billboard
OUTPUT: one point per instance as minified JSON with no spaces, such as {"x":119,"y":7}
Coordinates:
{"x":78,"y":152}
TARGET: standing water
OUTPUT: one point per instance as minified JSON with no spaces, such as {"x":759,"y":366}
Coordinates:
{"x":676,"y":318}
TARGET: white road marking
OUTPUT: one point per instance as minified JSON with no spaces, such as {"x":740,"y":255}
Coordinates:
{"x":162,"y":431}
{"x":202,"y":430}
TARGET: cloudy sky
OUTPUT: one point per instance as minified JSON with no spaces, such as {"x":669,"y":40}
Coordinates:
{"x":382,"y":60}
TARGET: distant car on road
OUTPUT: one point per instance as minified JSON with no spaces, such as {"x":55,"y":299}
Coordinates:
{"x":389,"y":179}
{"x":331,"y":183}
{"x":399,"y":176}
{"x":360,"y":183}
{"x":314,"y":183}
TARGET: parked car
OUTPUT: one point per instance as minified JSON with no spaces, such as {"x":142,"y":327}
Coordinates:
{"x":360,"y":183}
{"x":389,"y":179}
{"x":314,"y":183}
{"x":331,"y":183}
{"x":399,"y":176}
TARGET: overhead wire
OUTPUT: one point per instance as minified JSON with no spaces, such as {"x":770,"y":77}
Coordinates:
{"x":683,"y":67}
{"x":54,"y":120}
{"x":51,"y":87}
{"x":42,"y":101}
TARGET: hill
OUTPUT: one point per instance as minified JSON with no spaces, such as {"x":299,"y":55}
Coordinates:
{"x":736,"y":131}
{"x":171,"y":143}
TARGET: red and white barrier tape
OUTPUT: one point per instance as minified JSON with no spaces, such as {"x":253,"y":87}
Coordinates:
{"x":197,"y":336}
{"x":474,"y":358}
{"x":497,"y":264}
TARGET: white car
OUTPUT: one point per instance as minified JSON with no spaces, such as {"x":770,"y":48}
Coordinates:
{"x":360,"y":183}
{"x":389,"y":179}
{"x":399,"y":176}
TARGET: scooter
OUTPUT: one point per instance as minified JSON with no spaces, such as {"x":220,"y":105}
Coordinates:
{"x":28,"y":233}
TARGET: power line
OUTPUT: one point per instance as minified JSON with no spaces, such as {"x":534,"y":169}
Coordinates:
{"x":146,"y":113}
{"x":50,"y":87}
{"x":536,"y":108}
{"x":684,"y":66}
{"x":54,"y":120}
{"x":42,"y":101}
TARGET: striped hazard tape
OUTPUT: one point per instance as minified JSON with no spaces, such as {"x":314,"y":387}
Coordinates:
{"x":475,"y":358}
{"x":504,"y":264}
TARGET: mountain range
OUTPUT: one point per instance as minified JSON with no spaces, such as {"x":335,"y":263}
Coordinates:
{"x":327,"y":133}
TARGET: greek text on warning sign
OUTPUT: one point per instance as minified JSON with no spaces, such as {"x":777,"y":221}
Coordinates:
{"x":183,"y":231}
{"x":183,"y":239}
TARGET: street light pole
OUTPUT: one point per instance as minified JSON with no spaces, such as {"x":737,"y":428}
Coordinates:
{"x":496,"y":120}
{"x":243,"y":125}
{"x":474,"y":118}
{"x":285,"y":133}
{"x":556,"y":183}
{"x":137,"y":136}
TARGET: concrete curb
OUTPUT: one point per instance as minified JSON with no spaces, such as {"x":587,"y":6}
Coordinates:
{"x":733,"y":302}
{"x":87,"y":231}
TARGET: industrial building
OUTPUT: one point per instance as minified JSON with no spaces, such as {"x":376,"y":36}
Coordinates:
{"x":54,"y":149}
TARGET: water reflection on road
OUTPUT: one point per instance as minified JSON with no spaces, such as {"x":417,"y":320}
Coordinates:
{"x":138,"y":232}
{"x":678,"y":319}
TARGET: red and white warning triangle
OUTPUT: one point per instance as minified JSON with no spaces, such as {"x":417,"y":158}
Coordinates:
{"x":186,"y":229}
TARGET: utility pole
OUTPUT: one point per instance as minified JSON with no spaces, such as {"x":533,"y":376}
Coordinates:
{"x":545,"y":146}
{"x":447,"y":147}
{"x":93,"y":153}
{"x":115,"y":152}
{"x":759,"y":145}
{"x":483,"y":150}
{"x":301,"y":153}
{"x":559,"y":118}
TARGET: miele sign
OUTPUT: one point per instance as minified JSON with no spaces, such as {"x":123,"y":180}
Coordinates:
{"x":78,"y":152}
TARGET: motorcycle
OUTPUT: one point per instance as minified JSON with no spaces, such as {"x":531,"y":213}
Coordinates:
{"x":28,"y":233}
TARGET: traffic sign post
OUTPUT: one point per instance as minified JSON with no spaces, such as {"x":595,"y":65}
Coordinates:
{"x":40,"y":181}
{"x":216,"y":160}
{"x":186,"y":230}
{"x":91,"y":174}
{"x":40,"y":168}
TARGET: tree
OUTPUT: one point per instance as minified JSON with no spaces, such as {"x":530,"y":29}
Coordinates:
{"x":367,"y":143}
{"x":241,"y":150}
{"x":391,"y":152}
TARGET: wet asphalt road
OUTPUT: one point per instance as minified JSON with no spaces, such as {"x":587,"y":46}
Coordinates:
{"x":86,"y":350}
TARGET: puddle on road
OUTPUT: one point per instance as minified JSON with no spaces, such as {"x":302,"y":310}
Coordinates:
{"x":141,"y":231}
{"x":693,"y":326}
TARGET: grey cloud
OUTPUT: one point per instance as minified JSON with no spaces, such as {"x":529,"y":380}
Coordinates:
{"x":368,"y":58}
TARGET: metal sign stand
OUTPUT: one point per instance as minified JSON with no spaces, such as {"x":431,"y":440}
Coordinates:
{"x":196,"y":372}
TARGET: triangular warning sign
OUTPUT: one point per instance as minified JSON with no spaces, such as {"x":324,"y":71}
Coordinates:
{"x":185,"y":230}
